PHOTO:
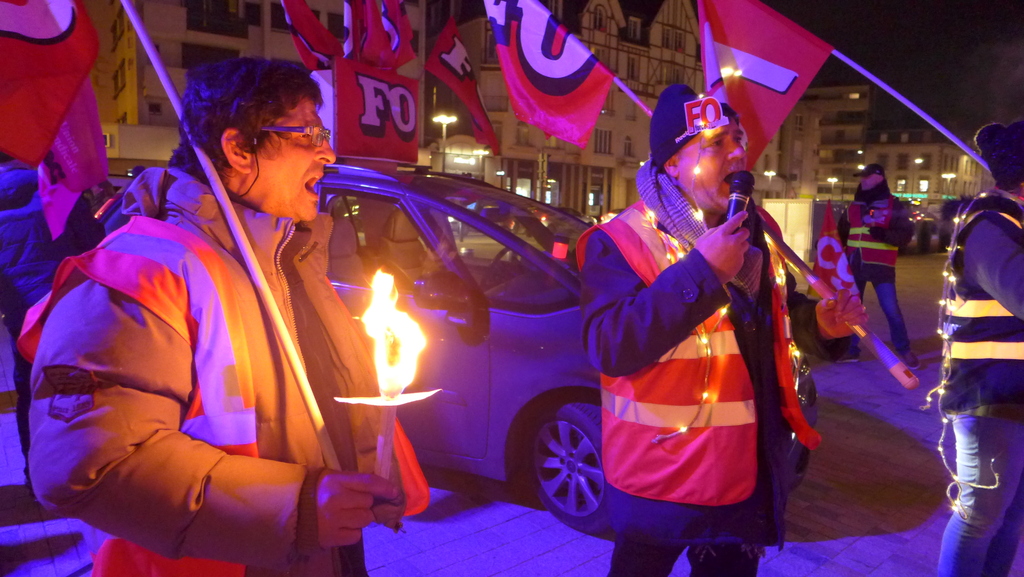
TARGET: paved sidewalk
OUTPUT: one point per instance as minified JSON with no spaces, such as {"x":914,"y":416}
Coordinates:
{"x":873,"y":502}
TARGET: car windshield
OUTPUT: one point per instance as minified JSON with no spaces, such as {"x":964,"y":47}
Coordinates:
{"x":545,"y":228}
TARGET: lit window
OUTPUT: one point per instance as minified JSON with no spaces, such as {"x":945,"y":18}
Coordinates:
{"x":901,"y":185}
{"x":922,"y":185}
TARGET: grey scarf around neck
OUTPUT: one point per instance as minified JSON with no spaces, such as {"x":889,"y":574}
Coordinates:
{"x":662,"y":194}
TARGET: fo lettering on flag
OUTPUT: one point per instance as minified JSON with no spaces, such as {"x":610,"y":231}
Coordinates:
{"x":377,"y":110}
{"x":831,"y":265}
{"x":758,"y":62}
{"x":554,"y":82}
{"x":449,"y":62}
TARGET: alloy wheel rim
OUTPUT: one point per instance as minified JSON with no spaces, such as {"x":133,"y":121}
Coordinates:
{"x":569,"y":468}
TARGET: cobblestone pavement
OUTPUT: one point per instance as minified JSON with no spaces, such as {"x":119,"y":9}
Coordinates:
{"x":872,"y":504}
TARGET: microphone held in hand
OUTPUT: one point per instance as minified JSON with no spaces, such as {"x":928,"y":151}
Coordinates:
{"x":741,"y":186}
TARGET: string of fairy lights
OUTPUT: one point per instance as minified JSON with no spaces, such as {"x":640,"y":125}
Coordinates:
{"x":948,"y":305}
{"x":675,"y":251}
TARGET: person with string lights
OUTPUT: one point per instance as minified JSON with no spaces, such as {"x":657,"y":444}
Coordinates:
{"x":981,"y":392}
{"x":697,"y":330}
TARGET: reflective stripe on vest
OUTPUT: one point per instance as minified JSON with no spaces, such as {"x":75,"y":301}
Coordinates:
{"x":978,"y":309}
{"x":987,"y":350}
{"x":722,"y":343}
{"x":724,"y":414}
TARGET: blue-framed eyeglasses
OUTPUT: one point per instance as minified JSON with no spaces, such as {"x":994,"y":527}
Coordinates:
{"x":318,"y":134}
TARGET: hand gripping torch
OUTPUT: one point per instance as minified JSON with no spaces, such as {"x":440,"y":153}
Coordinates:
{"x":741,"y":186}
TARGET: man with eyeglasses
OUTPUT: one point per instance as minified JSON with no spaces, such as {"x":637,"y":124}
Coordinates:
{"x":694,"y":324}
{"x":163,"y":412}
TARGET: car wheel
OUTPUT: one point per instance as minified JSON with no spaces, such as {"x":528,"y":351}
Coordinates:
{"x":566,"y":467}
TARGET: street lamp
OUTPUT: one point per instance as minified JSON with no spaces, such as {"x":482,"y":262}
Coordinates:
{"x":769,"y":174}
{"x":444,"y":120}
{"x":948,"y":176}
{"x":918,"y":160}
{"x":832,"y":180}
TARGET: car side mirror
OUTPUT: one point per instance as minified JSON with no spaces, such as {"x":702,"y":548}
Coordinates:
{"x":441,"y":290}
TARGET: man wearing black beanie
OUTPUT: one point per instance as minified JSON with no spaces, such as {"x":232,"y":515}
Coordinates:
{"x":695,"y":340}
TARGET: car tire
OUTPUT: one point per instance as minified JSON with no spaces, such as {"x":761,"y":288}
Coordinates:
{"x":566,"y":470}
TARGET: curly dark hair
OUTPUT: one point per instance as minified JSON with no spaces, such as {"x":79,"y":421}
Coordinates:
{"x":241,"y":93}
{"x":1002,"y":147}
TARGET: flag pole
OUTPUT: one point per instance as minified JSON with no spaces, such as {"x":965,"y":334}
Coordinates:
{"x":895,"y":366}
{"x":255,"y":272}
{"x":878,"y":81}
{"x":632,"y":95}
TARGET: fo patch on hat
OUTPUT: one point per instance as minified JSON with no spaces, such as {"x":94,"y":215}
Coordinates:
{"x":871,"y":169}
{"x":680,"y":116}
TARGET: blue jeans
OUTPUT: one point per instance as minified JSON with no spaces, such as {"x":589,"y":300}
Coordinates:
{"x":886,"y":293}
{"x":985,"y":543}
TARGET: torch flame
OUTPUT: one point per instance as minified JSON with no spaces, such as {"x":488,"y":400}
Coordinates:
{"x":397,"y":338}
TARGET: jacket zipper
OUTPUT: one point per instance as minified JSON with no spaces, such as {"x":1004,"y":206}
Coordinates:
{"x":288,"y":294}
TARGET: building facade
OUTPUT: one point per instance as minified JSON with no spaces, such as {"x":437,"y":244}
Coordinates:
{"x":925,"y":167}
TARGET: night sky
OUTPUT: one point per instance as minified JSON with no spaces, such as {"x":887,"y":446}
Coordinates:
{"x":962,"y":61}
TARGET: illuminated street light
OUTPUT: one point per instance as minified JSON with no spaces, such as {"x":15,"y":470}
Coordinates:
{"x":444,"y":120}
{"x":832,"y":180}
{"x":769,"y":174}
{"x":860,"y":152}
{"x":860,"y":167}
{"x":948,"y":176}
{"x":918,"y":160}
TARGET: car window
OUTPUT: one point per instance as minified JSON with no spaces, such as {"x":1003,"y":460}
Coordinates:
{"x":510,"y":281}
{"x":543,"y":227}
{"x":372,"y":233}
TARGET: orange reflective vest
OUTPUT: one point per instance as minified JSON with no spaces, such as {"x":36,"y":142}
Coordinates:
{"x":684,"y":429}
{"x":871,"y":250}
{"x":185,"y":283}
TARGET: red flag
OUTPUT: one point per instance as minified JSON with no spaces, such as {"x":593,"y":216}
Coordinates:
{"x":554,"y":82}
{"x":764,"y":62}
{"x":399,"y":31}
{"x":377,"y":109}
{"x":374,"y":49}
{"x":449,"y":62}
{"x":315,"y":44}
{"x":831,"y":265}
{"x":48,"y":48}
{"x":77,"y":160}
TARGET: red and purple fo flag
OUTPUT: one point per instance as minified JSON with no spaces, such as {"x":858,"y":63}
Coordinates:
{"x":759,"y":62}
{"x":449,"y":62}
{"x":48,"y":48}
{"x":554,"y":82}
{"x":50,"y":118}
{"x":376,"y":110}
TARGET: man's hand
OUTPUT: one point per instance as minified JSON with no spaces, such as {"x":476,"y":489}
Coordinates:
{"x":724,"y":246}
{"x":343,"y":502}
{"x":836,"y":315}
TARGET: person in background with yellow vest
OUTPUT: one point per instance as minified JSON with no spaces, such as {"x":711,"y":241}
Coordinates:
{"x":163,"y":412}
{"x":878,"y":225}
{"x":982,"y":388}
{"x":695,"y":328}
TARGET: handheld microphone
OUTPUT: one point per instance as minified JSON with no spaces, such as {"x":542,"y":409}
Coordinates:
{"x":741,"y":186}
